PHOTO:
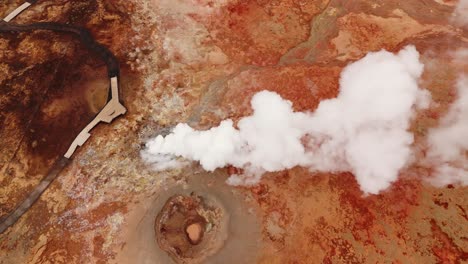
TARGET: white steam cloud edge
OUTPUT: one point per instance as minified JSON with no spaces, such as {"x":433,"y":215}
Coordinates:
{"x":460,"y":14}
{"x":364,"y":130}
{"x":448,"y":143}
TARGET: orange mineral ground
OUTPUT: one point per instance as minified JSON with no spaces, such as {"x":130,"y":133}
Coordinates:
{"x":200,"y":62}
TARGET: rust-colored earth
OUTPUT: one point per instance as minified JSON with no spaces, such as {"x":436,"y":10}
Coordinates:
{"x":200,"y":61}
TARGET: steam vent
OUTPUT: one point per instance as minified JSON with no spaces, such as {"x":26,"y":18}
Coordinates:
{"x":189,"y":229}
{"x":233,"y":131}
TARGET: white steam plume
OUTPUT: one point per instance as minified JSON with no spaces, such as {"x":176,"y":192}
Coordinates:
{"x":364,"y":130}
{"x":460,"y":14}
{"x":449,"y":142}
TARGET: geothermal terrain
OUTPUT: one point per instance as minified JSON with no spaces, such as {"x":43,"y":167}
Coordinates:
{"x":267,"y":131}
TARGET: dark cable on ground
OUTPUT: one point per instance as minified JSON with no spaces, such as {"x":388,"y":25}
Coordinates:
{"x":112,"y":109}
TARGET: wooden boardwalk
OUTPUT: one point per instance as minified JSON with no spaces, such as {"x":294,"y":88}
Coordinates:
{"x":108,"y":113}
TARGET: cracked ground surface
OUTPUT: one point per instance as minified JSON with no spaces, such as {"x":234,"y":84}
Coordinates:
{"x":200,"y":62}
